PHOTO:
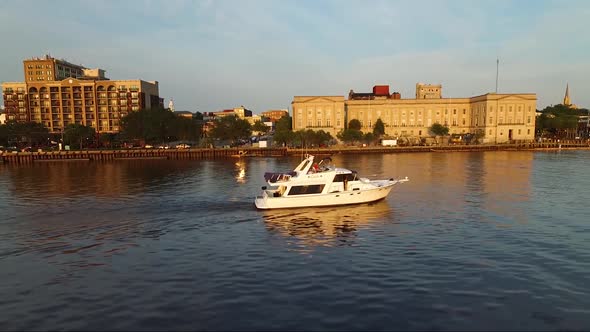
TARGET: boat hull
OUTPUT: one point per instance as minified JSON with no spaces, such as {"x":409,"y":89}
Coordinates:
{"x":337,"y":198}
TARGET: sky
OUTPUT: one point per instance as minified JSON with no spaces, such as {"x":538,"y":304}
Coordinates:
{"x":214,"y":55}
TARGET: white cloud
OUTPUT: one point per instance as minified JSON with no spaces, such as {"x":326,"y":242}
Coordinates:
{"x":210,"y":55}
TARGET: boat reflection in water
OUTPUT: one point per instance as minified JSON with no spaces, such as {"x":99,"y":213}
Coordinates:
{"x":326,"y":226}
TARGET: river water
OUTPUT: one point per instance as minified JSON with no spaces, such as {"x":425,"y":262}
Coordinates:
{"x":478,"y":241}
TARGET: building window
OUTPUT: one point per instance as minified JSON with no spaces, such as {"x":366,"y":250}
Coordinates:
{"x":528,"y":131}
{"x":519,"y":131}
{"x":328,"y":123}
{"x":528,"y":119}
{"x":463,"y":111}
{"x":319,"y":122}
{"x":454,"y":111}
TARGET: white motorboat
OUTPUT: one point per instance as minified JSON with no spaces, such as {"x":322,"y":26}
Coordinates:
{"x":320,"y":184}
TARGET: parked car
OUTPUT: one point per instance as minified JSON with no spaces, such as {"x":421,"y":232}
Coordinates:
{"x":183,"y":146}
{"x":147,"y":146}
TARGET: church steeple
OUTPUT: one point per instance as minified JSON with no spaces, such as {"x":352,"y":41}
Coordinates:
{"x":566,"y":99}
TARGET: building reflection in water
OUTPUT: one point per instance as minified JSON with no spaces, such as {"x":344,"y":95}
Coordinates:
{"x":326,"y":226}
{"x":78,"y":215}
{"x":506,"y":186}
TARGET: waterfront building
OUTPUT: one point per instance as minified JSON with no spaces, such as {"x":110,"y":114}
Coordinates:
{"x":497,"y":118}
{"x":319,"y":113}
{"x":57,"y":93}
{"x":275,"y":115}
{"x":241,"y":112}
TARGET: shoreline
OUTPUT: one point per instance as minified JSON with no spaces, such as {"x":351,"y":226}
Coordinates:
{"x":248,"y":152}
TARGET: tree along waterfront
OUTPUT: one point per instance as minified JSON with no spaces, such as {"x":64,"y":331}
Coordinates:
{"x":159,"y":126}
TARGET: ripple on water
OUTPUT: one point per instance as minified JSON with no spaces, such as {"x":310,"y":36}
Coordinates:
{"x":467,"y":243}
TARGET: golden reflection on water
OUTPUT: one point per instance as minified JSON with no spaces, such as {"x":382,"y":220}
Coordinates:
{"x":240,"y":167}
{"x":326,"y":226}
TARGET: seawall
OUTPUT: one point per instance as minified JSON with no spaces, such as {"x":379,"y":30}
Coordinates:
{"x":192,"y":154}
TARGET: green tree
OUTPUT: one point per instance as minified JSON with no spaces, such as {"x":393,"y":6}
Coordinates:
{"x":304,"y":138}
{"x":24,"y":133}
{"x":231,"y":128}
{"x":354,"y":124}
{"x":151,"y":125}
{"x":559,"y":120}
{"x":260,"y":127}
{"x":350,"y":136}
{"x":438,"y":130}
{"x":77,"y":135}
{"x":181,"y":128}
{"x":369,"y":138}
{"x":283,"y":131}
{"x":379,"y":128}
{"x":108,"y":140}
{"x":323,"y":138}
{"x":3,"y":135}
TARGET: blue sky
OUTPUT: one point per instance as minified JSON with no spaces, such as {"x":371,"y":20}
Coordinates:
{"x":213,"y":55}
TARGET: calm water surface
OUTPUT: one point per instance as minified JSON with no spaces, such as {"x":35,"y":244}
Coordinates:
{"x":478,"y":241}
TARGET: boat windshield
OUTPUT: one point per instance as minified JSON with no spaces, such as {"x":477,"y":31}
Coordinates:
{"x":277,"y":177}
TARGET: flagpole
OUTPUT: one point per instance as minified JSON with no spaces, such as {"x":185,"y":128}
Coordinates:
{"x":497,"y":69}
